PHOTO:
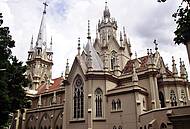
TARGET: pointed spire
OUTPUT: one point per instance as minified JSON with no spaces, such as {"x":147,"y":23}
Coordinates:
{"x":186,"y":74}
{"x":51,"y":43}
{"x":41,"y":39}
{"x":117,"y":71}
{"x":88,"y":37}
{"x":89,"y":61}
{"x":105,"y":61}
{"x":40,"y":101}
{"x":148,"y":52}
{"x":151,"y":51}
{"x":156,"y":45}
{"x":182,"y":69}
{"x":150,"y":61}
{"x":54,"y":98}
{"x":135,"y":55}
{"x":129,"y":44}
{"x":135,"y":76}
{"x":79,"y":46}
{"x":31,"y":45}
{"x":121,"y":39}
{"x":174,"y":69}
{"x":124,"y":33}
{"x":67,"y":69}
{"x":96,"y":32}
{"x":106,"y":11}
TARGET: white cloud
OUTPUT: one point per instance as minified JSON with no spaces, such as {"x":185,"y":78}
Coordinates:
{"x":67,"y":20}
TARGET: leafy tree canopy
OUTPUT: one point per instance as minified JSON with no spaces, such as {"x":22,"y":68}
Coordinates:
{"x":182,"y":19}
{"x":12,"y":78}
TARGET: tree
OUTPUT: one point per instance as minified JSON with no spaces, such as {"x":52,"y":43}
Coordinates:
{"x":12,"y":78}
{"x":182,"y":19}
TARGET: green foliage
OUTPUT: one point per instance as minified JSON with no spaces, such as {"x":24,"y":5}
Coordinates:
{"x":12,"y":78}
{"x":182,"y":19}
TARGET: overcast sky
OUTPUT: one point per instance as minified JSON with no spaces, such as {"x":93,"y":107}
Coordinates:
{"x":145,"y":20}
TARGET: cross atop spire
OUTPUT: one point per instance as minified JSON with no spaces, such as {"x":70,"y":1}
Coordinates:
{"x":41,"y":40}
{"x":106,"y":3}
{"x":45,"y":5}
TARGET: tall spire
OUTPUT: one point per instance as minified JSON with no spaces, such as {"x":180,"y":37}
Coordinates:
{"x":156,"y":45}
{"x":51,"y":43}
{"x":78,"y":46}
{"x":41,"y":39}
{"x":88,"y":37}
{"x":106,"y":11}
{"x":31,"y":45}
{"x":174,"y":69}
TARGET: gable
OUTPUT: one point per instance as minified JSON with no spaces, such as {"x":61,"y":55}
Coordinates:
{"x":78,"y":67}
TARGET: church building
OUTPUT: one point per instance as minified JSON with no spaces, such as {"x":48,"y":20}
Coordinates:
{"x":104,"y":88}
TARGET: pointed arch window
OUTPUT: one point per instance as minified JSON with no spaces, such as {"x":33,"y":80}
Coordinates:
{"x":120,"y":127}
{"x":118,"y":104}
{"x":183,"y":97}
{"x":163,"y":126}
{"x":113,"y":59}
{"x":162,"y":100}
{"x":98,"y":102}
{"x":78,"y":98}
{"x":113,"y":105}
{"x":173,"y":98}
{"x":114,"y":127}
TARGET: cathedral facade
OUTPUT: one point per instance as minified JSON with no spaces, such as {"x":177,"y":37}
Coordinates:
{"x":105,"y":88}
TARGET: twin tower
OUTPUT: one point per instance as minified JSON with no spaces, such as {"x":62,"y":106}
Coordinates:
{"x":113,"y":53}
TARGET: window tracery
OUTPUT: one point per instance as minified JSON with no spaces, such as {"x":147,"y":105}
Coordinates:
{"x":98,"y":102}
{"x":78,"y":98}
{"x":173,"y":98}
{"x":113,"y":59}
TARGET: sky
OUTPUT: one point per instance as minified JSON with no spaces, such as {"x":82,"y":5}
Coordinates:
{"x":66,"y":20}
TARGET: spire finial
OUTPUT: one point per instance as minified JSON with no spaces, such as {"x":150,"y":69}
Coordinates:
{"x":148,"y":52}
{"x":106,"y":3}
{"x":51,"y":41}
{"x":31,"y":46}
{"x":106,"y":11}
{"x":134,"y":76}
{"x":67,"y":69}
{"x":45,"y":5}
{"x":174,"y":69}
{"x":78,"y":46}
{"x":96,"y":32}
{"x":121,"y":38}
{"x":124,"y":32}
{"x":135,"y":55}
{"x":156,"y":44}
{"x":88,"y":37}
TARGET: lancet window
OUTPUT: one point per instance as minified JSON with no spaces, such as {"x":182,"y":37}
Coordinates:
{"x":78,"y":98}
{"x":173,"y":98}
{"x":98,"y":102}
{"x":113,"y":59}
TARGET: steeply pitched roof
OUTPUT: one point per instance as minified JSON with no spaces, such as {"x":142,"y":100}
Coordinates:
{"x":129,"y":66}
{"x":52,"y":87}
{"x":97,"y":63}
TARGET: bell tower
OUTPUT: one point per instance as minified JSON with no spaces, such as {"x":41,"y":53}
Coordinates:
{"x":118,"y":52}
{"x":107,"y":27}
{"x":39,"y":60}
